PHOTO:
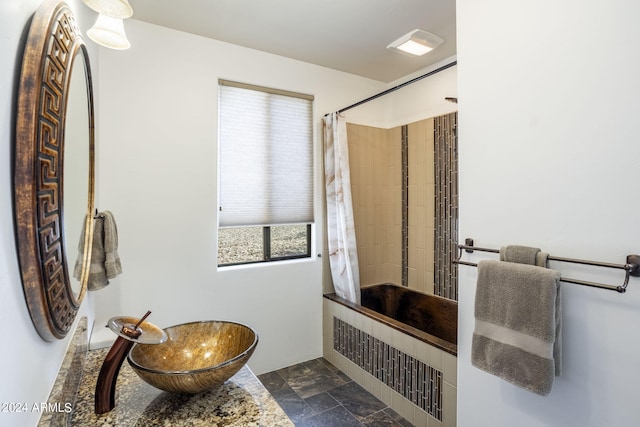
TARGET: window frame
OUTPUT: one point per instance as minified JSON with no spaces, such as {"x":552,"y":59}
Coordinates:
{"x":266,"y":249}
{"x":266,"y":229}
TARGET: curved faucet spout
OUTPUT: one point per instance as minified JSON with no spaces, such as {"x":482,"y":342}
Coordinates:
{"x":106,"y":386}
{"x":130,"y":330}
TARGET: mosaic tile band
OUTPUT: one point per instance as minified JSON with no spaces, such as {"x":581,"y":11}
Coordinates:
{"x":446,"y":205}
{"x":405,"y":204}
{"x":417,"y":382}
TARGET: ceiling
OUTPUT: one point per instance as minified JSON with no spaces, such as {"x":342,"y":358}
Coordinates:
{"x":345,"y":35}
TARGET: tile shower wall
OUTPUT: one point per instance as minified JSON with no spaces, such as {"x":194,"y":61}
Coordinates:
{"x":391,"y":390}
{"x":376,"y":175}
{"x":385,"y":215}
{"x":421,"y":206}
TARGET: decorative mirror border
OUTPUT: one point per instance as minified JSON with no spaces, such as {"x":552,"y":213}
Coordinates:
{"x":53,"y":43}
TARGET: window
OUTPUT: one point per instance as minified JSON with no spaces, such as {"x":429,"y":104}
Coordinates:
{"x":266,"y":174}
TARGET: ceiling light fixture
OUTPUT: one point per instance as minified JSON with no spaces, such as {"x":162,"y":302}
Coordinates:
{"x":416,"y":42}
{"x":108,"y":30}
{"x":113,"y":8}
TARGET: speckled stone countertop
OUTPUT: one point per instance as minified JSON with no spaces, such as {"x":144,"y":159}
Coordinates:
{"x":241,"y":401}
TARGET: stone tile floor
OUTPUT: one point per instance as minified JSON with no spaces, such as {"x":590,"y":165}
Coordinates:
{"x":317,"y":394}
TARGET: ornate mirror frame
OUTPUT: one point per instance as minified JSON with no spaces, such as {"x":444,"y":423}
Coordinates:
{"x":53,"y":45}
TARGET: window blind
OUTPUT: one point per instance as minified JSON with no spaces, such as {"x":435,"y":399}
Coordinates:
{"x":266,"y":156}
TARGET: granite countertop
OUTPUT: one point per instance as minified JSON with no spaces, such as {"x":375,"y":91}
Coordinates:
{"x":241,"y":401}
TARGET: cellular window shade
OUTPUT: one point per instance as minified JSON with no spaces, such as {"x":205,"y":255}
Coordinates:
{"x":265,"y":160}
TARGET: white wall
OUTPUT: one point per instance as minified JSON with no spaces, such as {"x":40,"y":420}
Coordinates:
{"x":158,"y":175}
{"x":549,"y":95}
{"x":28,"y":365}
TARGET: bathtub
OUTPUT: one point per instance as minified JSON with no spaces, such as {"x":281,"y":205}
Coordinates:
{"x":401,"y":346}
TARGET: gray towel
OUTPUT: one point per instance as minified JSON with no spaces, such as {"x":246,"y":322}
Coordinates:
{"x":523,"y":255}
{"x":517,"y":323}
{"x":533,"y":256}
{"x":105,"y":262}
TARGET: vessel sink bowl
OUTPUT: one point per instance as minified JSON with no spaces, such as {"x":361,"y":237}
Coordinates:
{"x":197,"y":356}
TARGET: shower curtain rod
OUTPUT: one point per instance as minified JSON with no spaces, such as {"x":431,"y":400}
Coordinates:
{"x":400,"y":86}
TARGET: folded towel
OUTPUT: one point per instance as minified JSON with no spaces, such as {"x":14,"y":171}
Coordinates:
{"x":523,"y":255}
{"x":533,"y":256}
{"x":517,"y":322}
{"x":105,"y":262}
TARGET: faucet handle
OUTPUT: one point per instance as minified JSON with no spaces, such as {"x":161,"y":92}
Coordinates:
{"x":138,"y":330}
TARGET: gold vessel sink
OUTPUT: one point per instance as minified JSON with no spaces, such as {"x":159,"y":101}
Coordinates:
{"x":196,"y":357}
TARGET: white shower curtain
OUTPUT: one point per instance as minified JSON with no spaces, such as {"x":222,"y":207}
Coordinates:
{"x":343,"y":254}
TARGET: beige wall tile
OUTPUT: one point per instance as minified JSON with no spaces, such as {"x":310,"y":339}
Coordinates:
{"x":375,"y":155}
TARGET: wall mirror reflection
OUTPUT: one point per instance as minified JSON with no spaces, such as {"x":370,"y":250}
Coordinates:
{"x":77,"y":159}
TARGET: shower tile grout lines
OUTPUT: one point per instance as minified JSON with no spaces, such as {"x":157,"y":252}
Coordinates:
{"x":317,"y":394}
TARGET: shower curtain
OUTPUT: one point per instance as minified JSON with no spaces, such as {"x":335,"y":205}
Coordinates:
{"x":343,"y":254}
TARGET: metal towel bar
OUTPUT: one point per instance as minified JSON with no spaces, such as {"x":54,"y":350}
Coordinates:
{"x":631,"y":268}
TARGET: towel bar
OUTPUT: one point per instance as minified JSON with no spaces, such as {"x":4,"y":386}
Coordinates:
{"x":631,"y":268}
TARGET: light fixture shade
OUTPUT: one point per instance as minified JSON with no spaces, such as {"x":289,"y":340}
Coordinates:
{"x":113,"y":8}
{"x":109,"y":32}
{"x":416,"y":42}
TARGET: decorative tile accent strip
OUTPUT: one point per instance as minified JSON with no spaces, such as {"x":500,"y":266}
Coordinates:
{"x":405,"y":205}
{"x":414,"y":380}
{"x":446,"y":205}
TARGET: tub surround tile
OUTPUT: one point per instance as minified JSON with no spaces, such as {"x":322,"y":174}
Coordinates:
{"x":241,"y":401}
{"x":415,"y":381}
{"x":450,"y":406}
{"x":435,"y":358}
{"x":424,"y":392}
{"x":409,"y":408}
{"x":450,"y":369}
{"x":421,"y":418}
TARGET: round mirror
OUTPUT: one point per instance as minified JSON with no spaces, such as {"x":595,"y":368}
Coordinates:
{"x":76,"y":181}
{"x":54,"y":169}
